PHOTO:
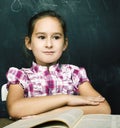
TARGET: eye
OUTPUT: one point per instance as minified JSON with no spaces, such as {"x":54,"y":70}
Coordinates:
{"x":56,"y":37}
{"x":41,"y":37}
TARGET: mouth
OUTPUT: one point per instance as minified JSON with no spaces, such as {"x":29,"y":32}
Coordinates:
{"x":48,"y":52}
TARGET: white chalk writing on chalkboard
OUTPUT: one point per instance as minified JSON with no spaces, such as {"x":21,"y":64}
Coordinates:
{"x":47,"y":4}
{"x":16,"y":6}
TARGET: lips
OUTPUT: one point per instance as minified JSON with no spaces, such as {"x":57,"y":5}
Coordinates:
{"x":48,"y":52}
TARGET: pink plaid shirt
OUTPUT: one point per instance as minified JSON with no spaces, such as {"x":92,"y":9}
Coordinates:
{"x":41,"y":81}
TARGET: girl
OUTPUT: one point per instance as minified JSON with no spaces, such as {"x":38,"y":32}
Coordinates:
{"x":48,"y":84}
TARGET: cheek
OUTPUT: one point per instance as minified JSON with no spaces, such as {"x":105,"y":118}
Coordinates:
{"x":35,"y":49}
{"x":61,"y":46}
{"x":60,"y":49}
{"x":35,"y":45}
{"x":60,"y":52}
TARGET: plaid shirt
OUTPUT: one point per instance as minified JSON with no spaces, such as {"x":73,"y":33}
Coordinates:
{"x":41,"y":81}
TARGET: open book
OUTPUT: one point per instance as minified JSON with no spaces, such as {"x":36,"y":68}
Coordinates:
{"x":72,"y":118}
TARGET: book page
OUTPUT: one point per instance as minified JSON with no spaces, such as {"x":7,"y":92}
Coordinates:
{"x":99,"y":121}
{"x":69,"y":117}
{"x":65,"y":119}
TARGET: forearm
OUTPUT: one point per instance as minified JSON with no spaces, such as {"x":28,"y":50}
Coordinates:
{"x":36,"y":105}
{"x":102,"y":108}
{"x":30,"y":106}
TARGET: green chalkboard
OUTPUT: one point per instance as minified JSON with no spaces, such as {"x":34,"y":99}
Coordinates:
{"x":93,"y":31}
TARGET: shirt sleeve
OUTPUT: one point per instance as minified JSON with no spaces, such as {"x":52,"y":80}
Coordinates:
{"x":79,"y":76}
{"x":15,"y":76}
{"x":83,"y":75}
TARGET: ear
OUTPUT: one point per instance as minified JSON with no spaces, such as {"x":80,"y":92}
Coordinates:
{"x":65,"y":44}
{"x":27,"y":43}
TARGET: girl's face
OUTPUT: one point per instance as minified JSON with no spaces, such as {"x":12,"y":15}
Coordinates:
{"x":47,"y":41}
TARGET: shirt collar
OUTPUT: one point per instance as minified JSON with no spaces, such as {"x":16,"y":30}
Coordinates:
{"x":39,"y":68}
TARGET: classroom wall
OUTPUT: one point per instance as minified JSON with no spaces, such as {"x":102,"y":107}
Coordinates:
{"x":93,"y":31}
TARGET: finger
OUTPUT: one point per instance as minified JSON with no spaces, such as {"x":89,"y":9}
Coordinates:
{"x":96,"y":99}
{"x":93,"y":103}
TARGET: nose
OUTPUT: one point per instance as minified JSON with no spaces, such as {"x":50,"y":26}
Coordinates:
{"x":49,"y":43}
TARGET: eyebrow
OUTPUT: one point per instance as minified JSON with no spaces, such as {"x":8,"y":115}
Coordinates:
{"x":56,"y":33}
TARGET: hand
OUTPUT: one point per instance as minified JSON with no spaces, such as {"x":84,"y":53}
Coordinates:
{"x":84,"y":100}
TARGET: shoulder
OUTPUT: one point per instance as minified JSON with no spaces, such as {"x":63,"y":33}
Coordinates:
{"x":19,"y":70}
{"x":77,"y":73}
{"x":14,"y":72}
{"x":73,"y":68}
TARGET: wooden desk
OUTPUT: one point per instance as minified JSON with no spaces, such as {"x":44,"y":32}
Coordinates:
{"x":5,"y":122}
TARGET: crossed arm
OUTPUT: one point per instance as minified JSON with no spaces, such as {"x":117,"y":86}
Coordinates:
{"x":89,"y":100}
